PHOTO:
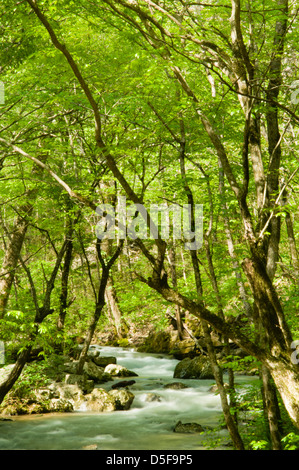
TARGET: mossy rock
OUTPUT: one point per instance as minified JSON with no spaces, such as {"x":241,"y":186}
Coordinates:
{"x":197,"y":368}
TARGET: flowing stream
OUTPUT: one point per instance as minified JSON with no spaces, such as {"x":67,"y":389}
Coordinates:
{"x":146,"y":426}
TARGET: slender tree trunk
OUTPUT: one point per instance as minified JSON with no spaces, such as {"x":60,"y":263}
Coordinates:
{"x":172,"y":264}
{"x":11,"y":257}
{"x":91,"y":329}
{"x":100,"y":302}
{"x":230,"y":245}
{"x":63,"y":300}
{"x":22,"y":359}
{"x":112,"y":304}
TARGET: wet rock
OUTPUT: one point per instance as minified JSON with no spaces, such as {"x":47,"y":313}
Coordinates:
{"x":99,"y":400}
{"x":123,"y":399}
{"x":196,"y":368}
{"x":102,"y":401}
{"x":188,"y":428}
{"x":151,"y":397}
{"x":176,"y":386}
{"x":119,"y":371}
{"x":123,"y":383}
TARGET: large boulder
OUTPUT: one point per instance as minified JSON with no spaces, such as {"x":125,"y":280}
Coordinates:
{"x":116,"y":370}
{"x":59,"y":398}
{"x":85,"y":384}
{"x":63,"y":392}
{"x":197,"y":368}
{"x":161,"y":342}
{"x":95,"y":373}
{"x":123,"y":398}
{"x":98,"y":400}
{"x":102,"y":401}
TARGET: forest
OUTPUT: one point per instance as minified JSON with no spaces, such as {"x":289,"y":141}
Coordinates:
{"x":149,"y":193}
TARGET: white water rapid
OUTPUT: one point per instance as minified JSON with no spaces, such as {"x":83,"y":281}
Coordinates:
{"x":146,"y":426}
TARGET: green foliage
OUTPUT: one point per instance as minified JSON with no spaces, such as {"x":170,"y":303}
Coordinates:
{"x":33,"y":376}
{"x":291,"y":441}
{"x":260,"y":445}
{"x":146,"y":117}
{"x":238,"y":363}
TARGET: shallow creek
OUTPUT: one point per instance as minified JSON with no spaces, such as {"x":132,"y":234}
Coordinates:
{"x":146,"y":426}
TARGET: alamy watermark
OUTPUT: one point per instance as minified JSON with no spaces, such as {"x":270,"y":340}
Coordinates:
{"x":160,"y":221}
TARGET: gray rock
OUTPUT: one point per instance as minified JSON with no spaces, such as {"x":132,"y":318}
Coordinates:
{"x":151,"y":397}
{"x":119,"y":371}
{"x":93,"y":353}
{"x":69,"y":392}
{"x":123,"y":399}
{"x":95,"y":372}
{"x":102,"y":401}
{"x":99,"y":400}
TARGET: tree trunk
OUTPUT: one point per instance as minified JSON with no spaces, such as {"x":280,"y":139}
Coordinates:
{"x":90,"y":331}
{"x":271,"y":408}
{"x":112,"y":304}
{"x":11,"y":257}
{"x":286,"y":379}
{"x":230,"y":245}
{"x":63,"y":303}
{"x":15,"y":373}
{"x":100,"y":302}
{"x":172,"y":264}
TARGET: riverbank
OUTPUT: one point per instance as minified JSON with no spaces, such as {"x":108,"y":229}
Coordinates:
{"x":149,"y":423}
